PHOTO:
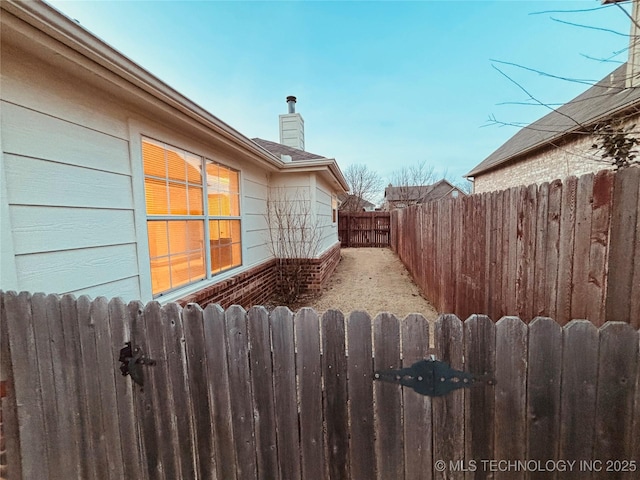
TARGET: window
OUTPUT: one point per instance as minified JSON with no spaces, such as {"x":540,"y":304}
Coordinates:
{"x":193,"y":216}
{"x":334,"y":208}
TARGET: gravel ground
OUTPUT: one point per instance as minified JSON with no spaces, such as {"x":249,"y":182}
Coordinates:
{"x":374,"y":280}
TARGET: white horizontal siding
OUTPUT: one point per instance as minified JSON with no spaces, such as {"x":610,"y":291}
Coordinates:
{"x":46,"y":229}
{"x":73,"y":270}
{"x":32,"y":134}
{"x":40,"y":182}
{"x":127,"y":288}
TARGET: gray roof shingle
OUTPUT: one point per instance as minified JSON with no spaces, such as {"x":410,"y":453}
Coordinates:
{"x":278,"y":149}
{"x":605,"y":99}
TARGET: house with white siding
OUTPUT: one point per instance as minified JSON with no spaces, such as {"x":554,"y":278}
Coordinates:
{"x":114,"y":184}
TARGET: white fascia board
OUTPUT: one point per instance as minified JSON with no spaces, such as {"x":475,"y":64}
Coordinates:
{"x":61,"y":28}
{"x":329,"y":167}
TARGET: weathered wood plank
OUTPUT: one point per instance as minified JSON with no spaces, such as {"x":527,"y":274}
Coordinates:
{"x":336,"y":415}
{"x":543,"y":390}
{"x":388,"y":399}
{"x":218,"y":387}
{"x":448,"y":411}
{"x":360,"y":367}
{"x":26,"y":382}
{"x":582,"y":247}
{"x":91,"y":401}
{"x":634,"y":308}
{"x":284,"y":388}
{"x":565,"y":254}
{"x":553,"y":247}
{"x":600,"y":222}
{"x":510,"y":391}
{"x":540,"y":300}
{"x":128,"y":422}
{"x":262,"y":390}
{"x":308,"y":369}
{"x":618,"y":365}
{"x":199,"y":376}
{"x":479,"y":354}
{"x":418,"y":451}
{"x":240,"y":392}
{"x":45,"y":361}
{"x":622,"y":244}
{"x":9,"y":407}
{"x":578,"y":391}
{"x":107,"y":358}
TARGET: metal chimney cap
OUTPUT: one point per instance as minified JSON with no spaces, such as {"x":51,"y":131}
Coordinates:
{"x":291,"y":98}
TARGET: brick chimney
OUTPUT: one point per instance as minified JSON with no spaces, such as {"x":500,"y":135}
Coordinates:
{"x":292,"y":126}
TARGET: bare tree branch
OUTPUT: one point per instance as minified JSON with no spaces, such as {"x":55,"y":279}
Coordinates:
{"x":601,"y":29}
{"x":364,"y":185}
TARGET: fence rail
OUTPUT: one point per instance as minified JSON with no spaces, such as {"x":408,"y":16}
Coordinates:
{"x":561,"y":249}
{"x":258,"y":394}
{"x":364,"y":229}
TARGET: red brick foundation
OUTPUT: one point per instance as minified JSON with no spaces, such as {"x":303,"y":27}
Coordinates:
{"x":258,"y":285}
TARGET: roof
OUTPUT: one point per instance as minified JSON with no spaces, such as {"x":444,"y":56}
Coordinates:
{"x":605,"y":99}
{"x":423,"y":193}
{"x":278,"y":149}
{"x":346,"y":199}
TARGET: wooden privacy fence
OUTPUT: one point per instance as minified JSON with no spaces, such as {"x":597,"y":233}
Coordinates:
{"x":563,"y":250}
{"x":246,"y":395}
{"x":364,"y":229}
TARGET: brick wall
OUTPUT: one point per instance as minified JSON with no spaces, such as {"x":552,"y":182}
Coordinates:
{"x":259,"y":285}
{"x":574,"y":156}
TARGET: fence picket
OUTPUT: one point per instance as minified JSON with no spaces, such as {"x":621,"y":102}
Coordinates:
{"x":308,"y":370}
{"x":27,"y":385}
{"x":617,"y":372}
{"x":479,"y":354}
{"x":284,"y":388}
{"x":199,"y":377}
{"x":388,"y":399}
{"x":578,"y":390}
{"x":120,"y":328}
{"x":448,"y":411}
{"x":240,"y":392}
{"x":510,"y":391}
{"x":218,"y":388}
{"x":359,"y":369}
{"x":418,"y":451}
{"x":262,"y":390}
{"x":543,"y":390}
{"x":336,"y":415}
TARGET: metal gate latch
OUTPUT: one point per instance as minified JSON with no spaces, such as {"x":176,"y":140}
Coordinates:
{"x":132,"y":360}
{"x":432,"y":377}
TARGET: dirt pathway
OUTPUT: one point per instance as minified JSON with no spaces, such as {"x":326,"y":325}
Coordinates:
{"x":374,"y":280}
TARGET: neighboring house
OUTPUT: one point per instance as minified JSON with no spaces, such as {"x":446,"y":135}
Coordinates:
{"x":560,"y":144}
{"x":348,"y":202}
{"x":401,"y":197}
{"x":114,"y":184}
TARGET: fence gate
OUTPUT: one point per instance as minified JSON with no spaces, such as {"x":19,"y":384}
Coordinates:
{"x":236,"y":395}
{"x":364,"y":229}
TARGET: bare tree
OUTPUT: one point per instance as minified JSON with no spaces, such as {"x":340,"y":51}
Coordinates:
{"x":294,"y":237}
{"x":407,"y":184}
{"x":364,"y":185}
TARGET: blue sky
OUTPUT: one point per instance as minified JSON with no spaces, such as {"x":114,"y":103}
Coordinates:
{"x":382,"y":83}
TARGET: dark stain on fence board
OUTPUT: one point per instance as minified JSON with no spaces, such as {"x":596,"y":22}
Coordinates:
{"x":359,"y":369}
{"x":567,"y":392}
{"x":334,"y":371}
{"x":284,"y":389}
